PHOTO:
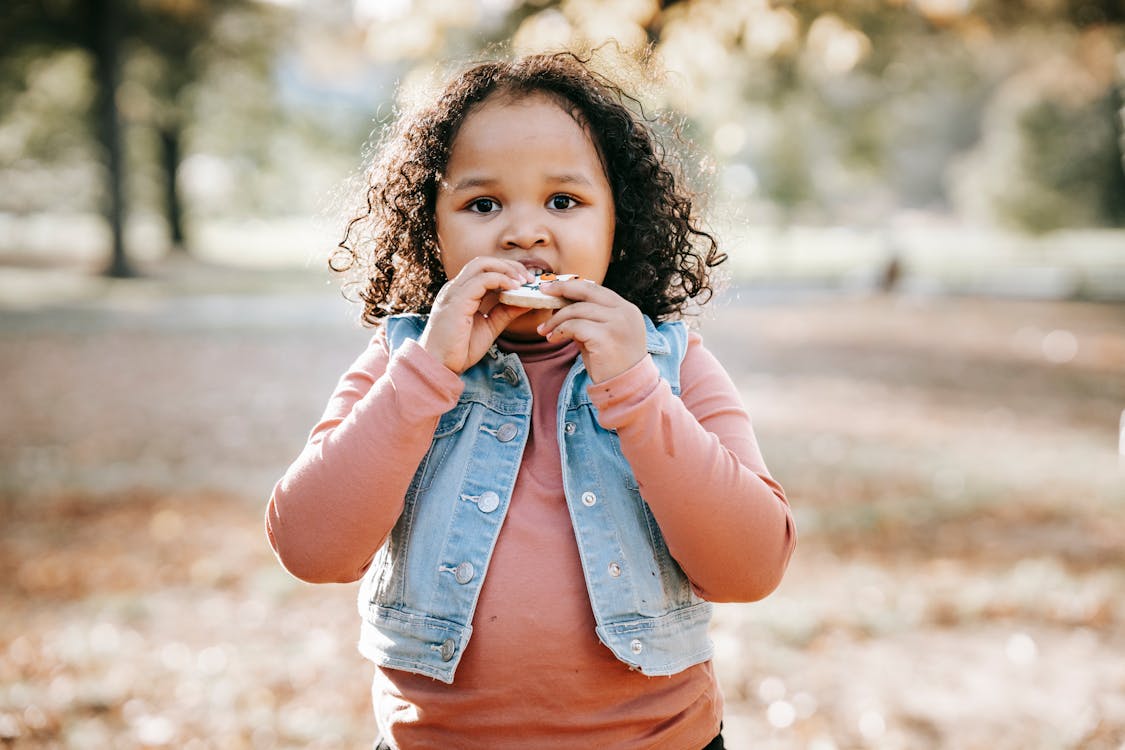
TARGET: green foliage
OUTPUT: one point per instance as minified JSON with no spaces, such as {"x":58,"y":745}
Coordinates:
{"x":1071,"y":168}
{"x":788,"y":176}
{"x":862,"y":103}
{"x":1049,"y":156}
{"x":170,"y":52}
{"x":48,"y":94}
{"x":893,"y":105}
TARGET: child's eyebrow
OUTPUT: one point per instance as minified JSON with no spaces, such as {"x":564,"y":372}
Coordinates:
{"x":468,"y":183}
{"x":571,"y":179}
{"x":474,"y":182}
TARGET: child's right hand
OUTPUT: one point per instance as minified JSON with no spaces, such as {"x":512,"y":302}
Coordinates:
{"x":466,"y":316}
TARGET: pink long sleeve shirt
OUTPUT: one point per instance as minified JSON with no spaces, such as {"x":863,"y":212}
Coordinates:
{"x":534,"y":673}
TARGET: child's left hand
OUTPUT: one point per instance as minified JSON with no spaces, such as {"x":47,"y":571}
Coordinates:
{"x":609,"y":330}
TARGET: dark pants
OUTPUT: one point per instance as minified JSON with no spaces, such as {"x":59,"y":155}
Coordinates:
{"x":715,"y":744}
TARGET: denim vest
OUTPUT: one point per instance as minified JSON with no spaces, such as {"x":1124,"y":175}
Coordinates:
{"x":418,"y":597}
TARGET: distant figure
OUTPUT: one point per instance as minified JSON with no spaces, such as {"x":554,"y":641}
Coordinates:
{"x":541,"y":503}
{"x":890,"y":274}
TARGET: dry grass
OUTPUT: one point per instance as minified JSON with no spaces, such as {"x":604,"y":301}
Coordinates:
{"x":953,"y":464}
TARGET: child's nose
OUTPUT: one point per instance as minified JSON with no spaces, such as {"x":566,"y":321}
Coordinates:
{"x":524,"y":229}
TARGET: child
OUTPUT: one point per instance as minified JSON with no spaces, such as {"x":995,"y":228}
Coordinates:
{"x":541,"y":504}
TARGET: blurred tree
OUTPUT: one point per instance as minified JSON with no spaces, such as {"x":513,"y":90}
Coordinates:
{"x":182,"y":40}
{"x":32,"y":29}
{"x":843,"y":110}
{"x":174,"y":38}
{"x":1051,"y":152}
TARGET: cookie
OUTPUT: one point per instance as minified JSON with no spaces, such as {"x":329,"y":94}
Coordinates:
{"x":529,"y":295}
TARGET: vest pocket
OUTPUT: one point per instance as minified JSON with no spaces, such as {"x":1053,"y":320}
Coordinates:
{"x":589,"y":416}
{"x":413,"y":642}
{"x":450,"y":423}
{"x":663,"y":645}
{"x":677,"y":588}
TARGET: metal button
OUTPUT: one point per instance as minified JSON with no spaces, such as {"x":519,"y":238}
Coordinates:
{"x":614,"y":569}
{"x":488,"y":501}
{"x":511,"y":376}
{"x":569,"y":428}
{"x":464,"y":572}
{"x":448,"y":647}
{"x":636,"y":646}
{"x":589,"y":498}
{"x":506,"y":432}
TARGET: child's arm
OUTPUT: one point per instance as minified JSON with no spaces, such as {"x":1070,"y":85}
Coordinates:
{"x":338,"y":501}
{"x":726,"y":521}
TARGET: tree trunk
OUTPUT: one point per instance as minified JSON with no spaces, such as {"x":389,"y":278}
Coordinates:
{"x":171,"y":153}
{"x":107,"y":45}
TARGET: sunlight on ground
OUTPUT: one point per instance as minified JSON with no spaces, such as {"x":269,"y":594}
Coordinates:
{"x":952,"y":462}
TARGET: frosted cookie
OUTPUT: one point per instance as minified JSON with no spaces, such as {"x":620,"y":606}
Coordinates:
{"x":529,"y":295}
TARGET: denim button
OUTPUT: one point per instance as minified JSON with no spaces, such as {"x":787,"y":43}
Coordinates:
{"x":464,"y":572}
{"x":588,"y":499}
{"x":448,"y":647}
{"x":506,"y":432}
{"x":569,"y":428}
{"x":488,"y":501}
{"x":636,"y":646}
{"x":511,"y":376}
{"x":614,"y":569}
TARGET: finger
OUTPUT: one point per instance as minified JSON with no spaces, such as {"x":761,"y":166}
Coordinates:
{"x":577,"y":311}
{"x":477,"y":287}
{"x":500,"y":316}
{"x":577,"y":330}
{"x":580,"y":289}
{"x":512,"y":268}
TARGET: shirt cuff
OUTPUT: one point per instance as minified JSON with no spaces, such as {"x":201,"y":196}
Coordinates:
{"x":617,"y":398}
{"x":429,"y":383}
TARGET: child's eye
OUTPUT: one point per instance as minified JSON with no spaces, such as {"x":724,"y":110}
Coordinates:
{"x":483,"y":206}
{"x":563,"y":202}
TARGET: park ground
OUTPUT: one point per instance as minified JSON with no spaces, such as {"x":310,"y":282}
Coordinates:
{"x":953,"y":463}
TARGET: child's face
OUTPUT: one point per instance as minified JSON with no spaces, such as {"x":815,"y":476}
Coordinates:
{"x":524,"y":182}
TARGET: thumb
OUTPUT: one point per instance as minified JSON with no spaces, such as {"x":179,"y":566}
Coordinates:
{"x":501,"y":315}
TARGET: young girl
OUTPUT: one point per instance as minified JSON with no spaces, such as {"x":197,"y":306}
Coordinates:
{"x":541,"y":504}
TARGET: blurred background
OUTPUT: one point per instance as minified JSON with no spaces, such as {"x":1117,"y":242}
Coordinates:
{"x":923,"y":201}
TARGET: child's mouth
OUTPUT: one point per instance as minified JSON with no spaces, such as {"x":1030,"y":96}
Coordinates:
{"x":537,"y":266}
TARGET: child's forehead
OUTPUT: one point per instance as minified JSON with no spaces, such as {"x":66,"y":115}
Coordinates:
{"x":499,"y":101}
{"x":507,"y":118}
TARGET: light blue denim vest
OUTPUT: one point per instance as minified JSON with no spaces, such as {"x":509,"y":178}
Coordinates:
{"x":418,"y":597}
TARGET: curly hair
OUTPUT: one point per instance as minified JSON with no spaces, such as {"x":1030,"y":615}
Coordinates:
{"x":661,"y":258}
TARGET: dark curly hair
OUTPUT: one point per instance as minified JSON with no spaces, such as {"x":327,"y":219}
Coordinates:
{"x":661,"y":258}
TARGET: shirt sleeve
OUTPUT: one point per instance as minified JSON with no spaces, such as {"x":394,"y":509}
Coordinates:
{"x":335,"y":505}
{"x":698,"y":465}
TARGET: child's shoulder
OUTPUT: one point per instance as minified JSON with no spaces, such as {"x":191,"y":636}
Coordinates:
{"x":398,"y":329}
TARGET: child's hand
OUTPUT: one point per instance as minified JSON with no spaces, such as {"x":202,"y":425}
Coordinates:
{"x":609,"y":331}
{"x":466,"y":317}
